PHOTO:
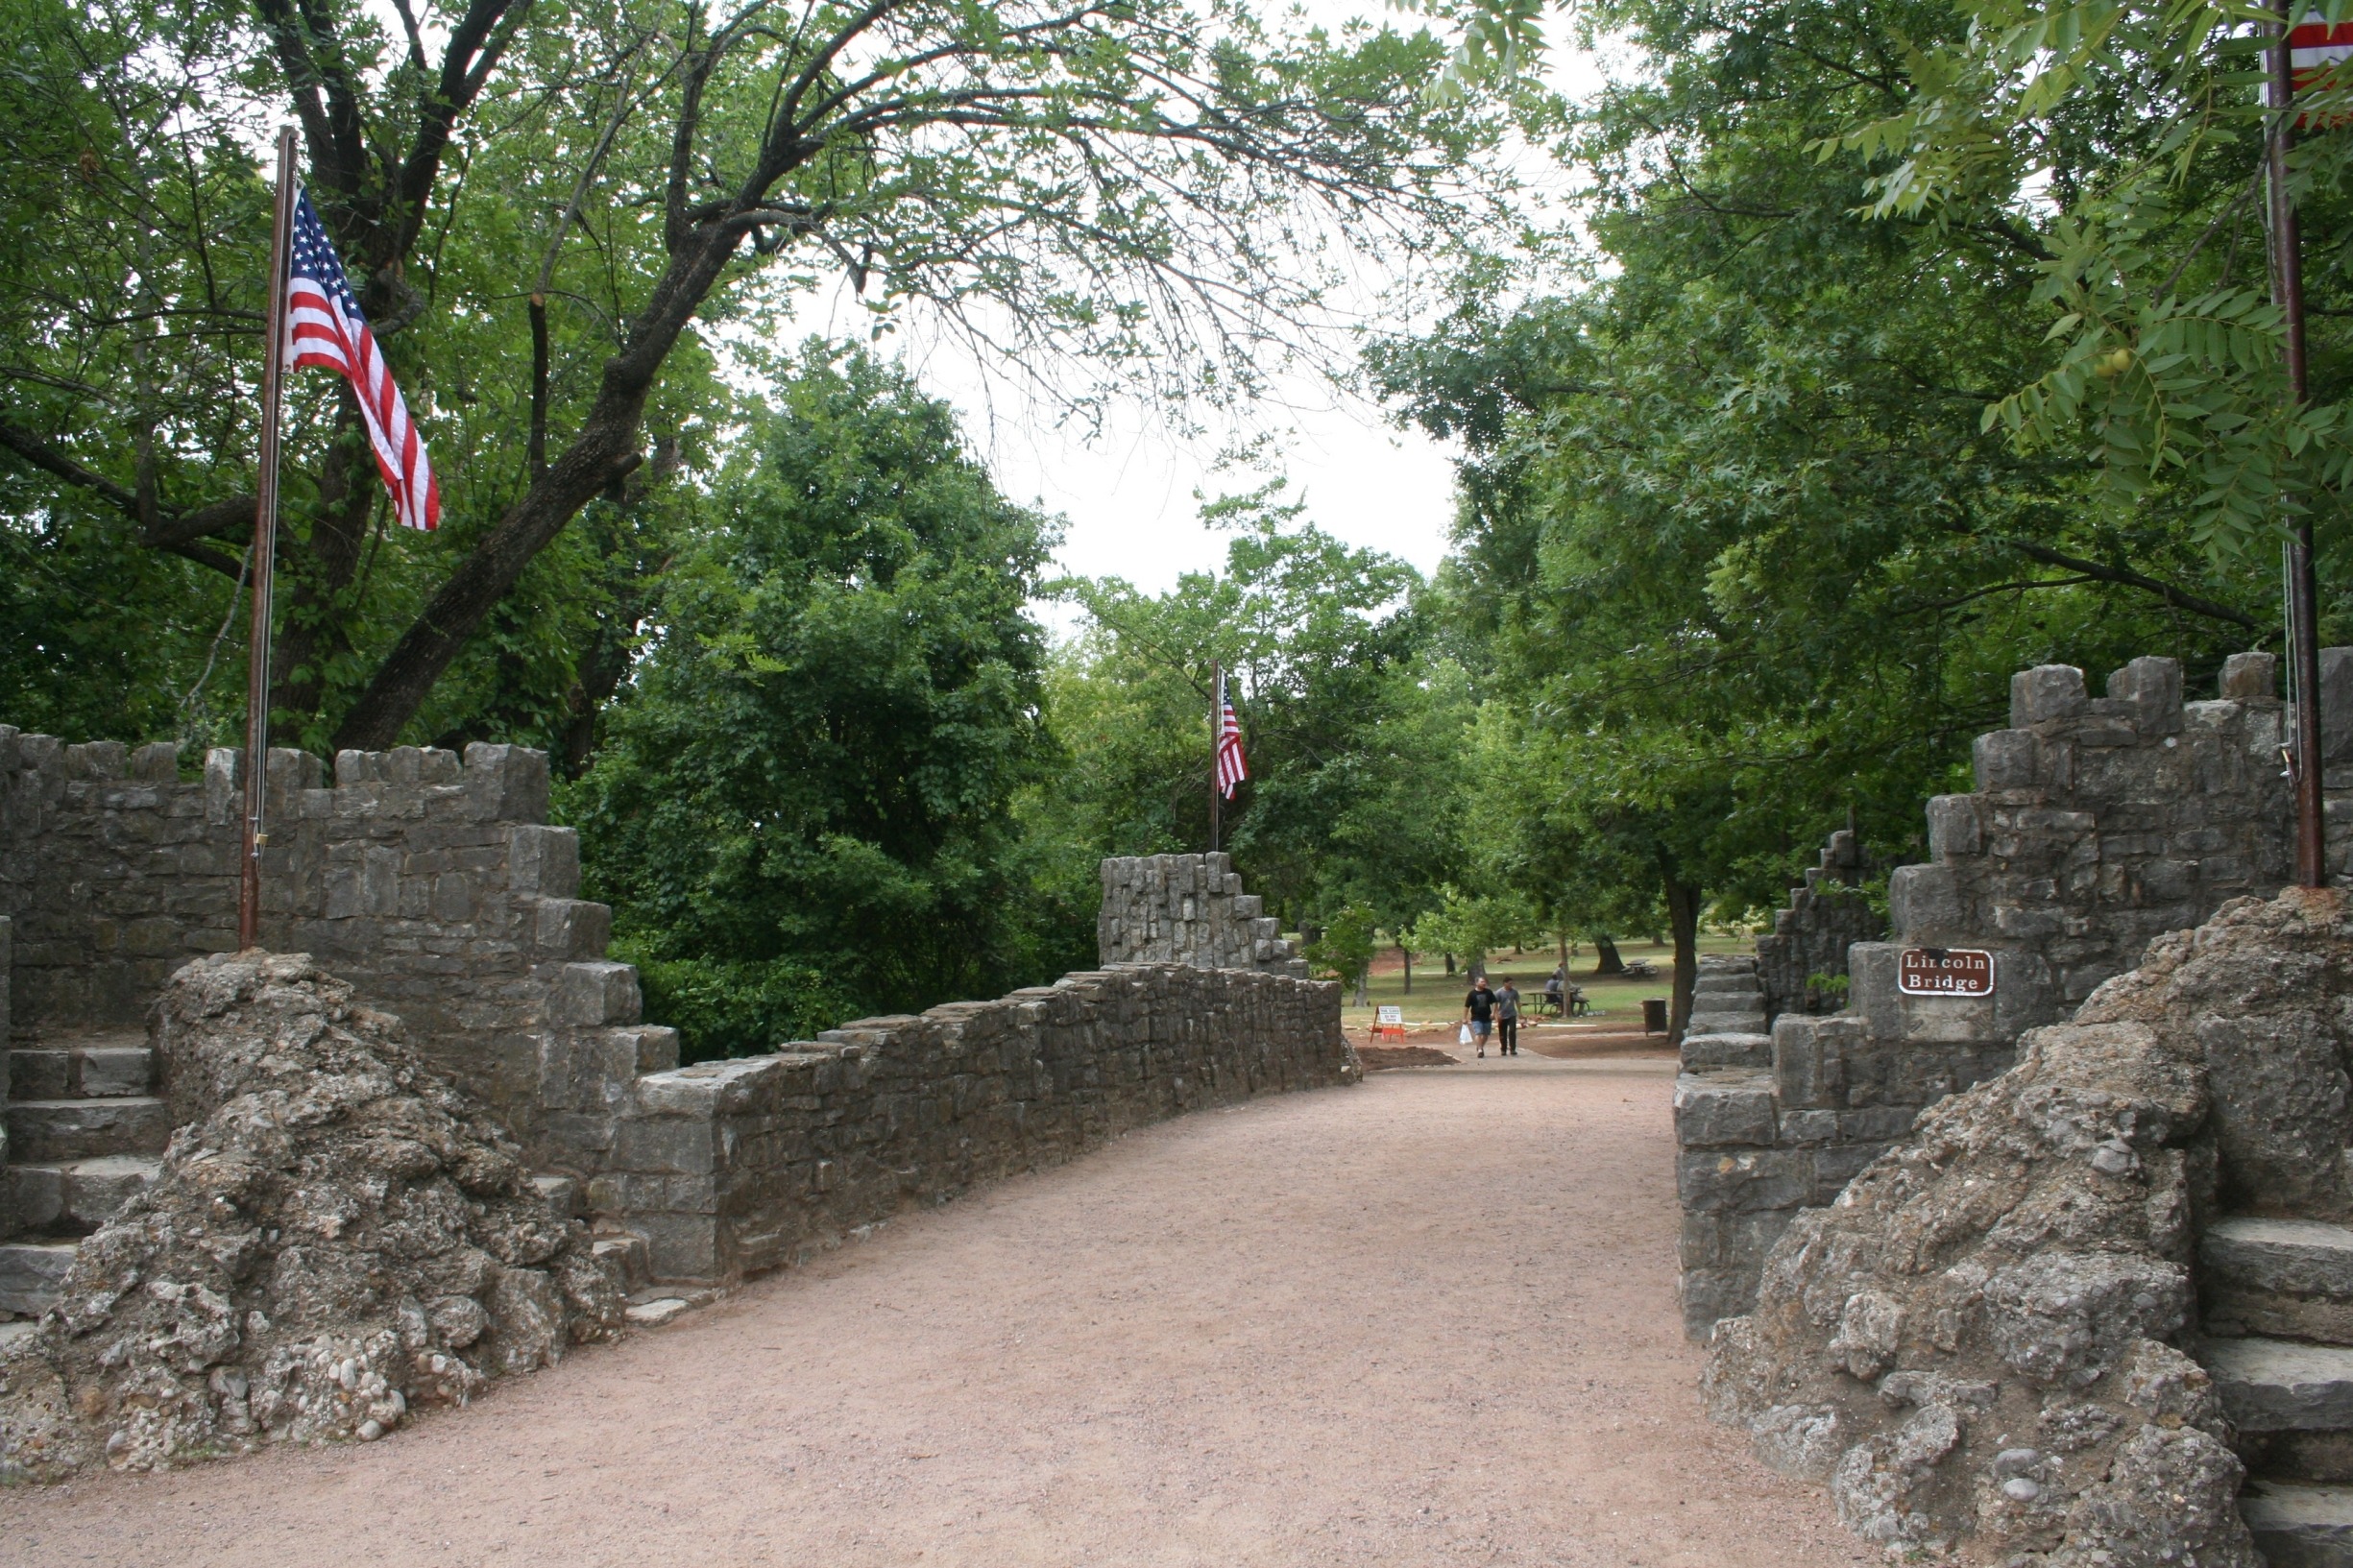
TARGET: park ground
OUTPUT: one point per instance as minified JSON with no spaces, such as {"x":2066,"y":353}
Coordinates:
{"x":1430,"y":1319}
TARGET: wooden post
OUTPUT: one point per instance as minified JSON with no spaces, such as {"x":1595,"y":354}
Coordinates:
{"x":263,"y":562}
{"x":2303,"y":587}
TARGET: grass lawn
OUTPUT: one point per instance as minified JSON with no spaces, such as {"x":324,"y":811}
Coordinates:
{"x":1437,"y":996}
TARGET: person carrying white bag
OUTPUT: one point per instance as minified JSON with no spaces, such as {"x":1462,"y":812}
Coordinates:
{"x":1478,"y":1015}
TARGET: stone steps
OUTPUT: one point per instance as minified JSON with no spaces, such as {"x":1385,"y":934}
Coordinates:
{"x":55,"y":1131}
{"x":2270,"y":1385}
{"x":1726,"y":998}
{"x":2280,"y":1278}
{"x":84,"y":1132}
{"x":1731,"y":1047}
{"x":2276,"y":1303}
{"x":90,"y":1067}
{"x":30,"y":1273}
{"x":2300,"y":1526}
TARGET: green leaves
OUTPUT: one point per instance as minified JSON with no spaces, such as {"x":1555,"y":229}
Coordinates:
{"x":804,"y":807}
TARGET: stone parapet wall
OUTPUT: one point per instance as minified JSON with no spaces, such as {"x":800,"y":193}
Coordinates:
{"x":2097,"y":825}
{"x":1807,"y":945}
{"x":1188,"y":909}
{"x":432,"y":884}
{"x":730,"y":1167}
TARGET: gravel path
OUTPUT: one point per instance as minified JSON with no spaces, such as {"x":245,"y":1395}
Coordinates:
{"x":1428,"y":1320}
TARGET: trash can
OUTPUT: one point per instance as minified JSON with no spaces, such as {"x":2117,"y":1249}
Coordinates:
{"x":1654,"y":1015}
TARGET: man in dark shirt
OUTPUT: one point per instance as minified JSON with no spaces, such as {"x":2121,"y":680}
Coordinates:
{"x":1479,"y":1012}
{"x":1507,"y":1019}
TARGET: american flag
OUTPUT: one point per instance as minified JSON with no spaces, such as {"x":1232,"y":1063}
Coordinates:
{"x":1232,"y":769}
{"x":2316,"y":46}
{"x":324,"y":327}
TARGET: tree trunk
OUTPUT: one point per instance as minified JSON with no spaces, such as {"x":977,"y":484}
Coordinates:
{"x":1606,"y":960}
{"x":600,"y":457}
{"x":1683,"y":919}
{"x":1449,"y":957}
{"x":1407,"y":954}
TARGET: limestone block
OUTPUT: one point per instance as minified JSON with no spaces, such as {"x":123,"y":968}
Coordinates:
{"x":2045,"y":693}
{"x":220,"y":786}
{"x":506,"y":783}
{"x":1925,"y":905}
{"x":1737,"y":1050}
{"x":1743,"y":1180}
{"x":544,"y":860}
{"x":681,"y":1246}
{"x":2005,"y":760}
{"x":1953,"y":826}
{"x":597,"y":992}
{"x":2152,"y":689}
{"x":1723,"y":1106}
{"x":97,"y":759}
{"x":2254,"y":677}
{"x":1808,"y":1062}
{"x":1709,"y":1295}
{"x":574,"y":928}
{"x":668,"y":1144}
{"x":157,"y":763}
{"x":2336,"y":704}
{"x":1810,"y":1127}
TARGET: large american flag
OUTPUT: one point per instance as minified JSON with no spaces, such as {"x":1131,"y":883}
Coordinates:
{"x":1232,"y":769}
{"x":324,"y":327}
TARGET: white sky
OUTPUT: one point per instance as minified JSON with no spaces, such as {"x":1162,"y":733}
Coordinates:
{"x":1127,"y":498}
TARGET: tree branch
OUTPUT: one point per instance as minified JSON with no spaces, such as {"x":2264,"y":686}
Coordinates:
{"x":2179,"y":598}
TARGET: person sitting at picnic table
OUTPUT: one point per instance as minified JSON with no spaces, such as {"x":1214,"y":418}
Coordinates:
{"x":1554,"y":995}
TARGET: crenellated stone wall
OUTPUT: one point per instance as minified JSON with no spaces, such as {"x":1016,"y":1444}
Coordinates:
{"x":433,"y":883}
{"x":1807,"y":945}
{"x":730,"y":1167}
{"x":2097,"y":823}
{"x":1188,"y":909}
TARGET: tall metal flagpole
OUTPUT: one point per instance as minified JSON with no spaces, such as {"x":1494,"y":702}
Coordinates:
{"x":2303,"y":586}
{"x":1217,"y":739}
{"x":264,"y":560}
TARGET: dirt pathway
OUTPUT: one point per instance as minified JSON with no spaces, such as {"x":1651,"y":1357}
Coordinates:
{"x":1429,"y":1320}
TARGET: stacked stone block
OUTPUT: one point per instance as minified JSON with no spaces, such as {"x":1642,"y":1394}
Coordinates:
{"x":2096,"y":824}
{"x":1188,"y":909}
{"x":1809,"y":939}
{"x":730,"y":1167}
{"x":433,"y":883}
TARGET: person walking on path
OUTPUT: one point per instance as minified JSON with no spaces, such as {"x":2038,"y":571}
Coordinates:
{"x":1507,"y":1019}
{"x":1479,"y":1012}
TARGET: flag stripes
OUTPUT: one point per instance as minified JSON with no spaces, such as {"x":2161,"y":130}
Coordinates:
{"x":1231,"y":768}
{"x":325,"y":327}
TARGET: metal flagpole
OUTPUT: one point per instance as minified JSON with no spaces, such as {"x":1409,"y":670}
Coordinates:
{"x":2303,"y":587}
{"x":1217,"y":739}
{"x":264,"y":560}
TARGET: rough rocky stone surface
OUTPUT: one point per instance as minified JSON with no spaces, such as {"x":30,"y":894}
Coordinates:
{"x":1979,"y":1344}
{"x":336,"y":1237}
{"x":1188,"y":909}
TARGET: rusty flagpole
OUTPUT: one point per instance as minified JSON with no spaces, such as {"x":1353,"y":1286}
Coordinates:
{"x":263,"y":562}
{"x":2303,"y":587}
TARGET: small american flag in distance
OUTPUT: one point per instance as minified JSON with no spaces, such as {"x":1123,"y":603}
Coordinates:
{"x":324,"y":327}
{"x":1231,"y":768}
